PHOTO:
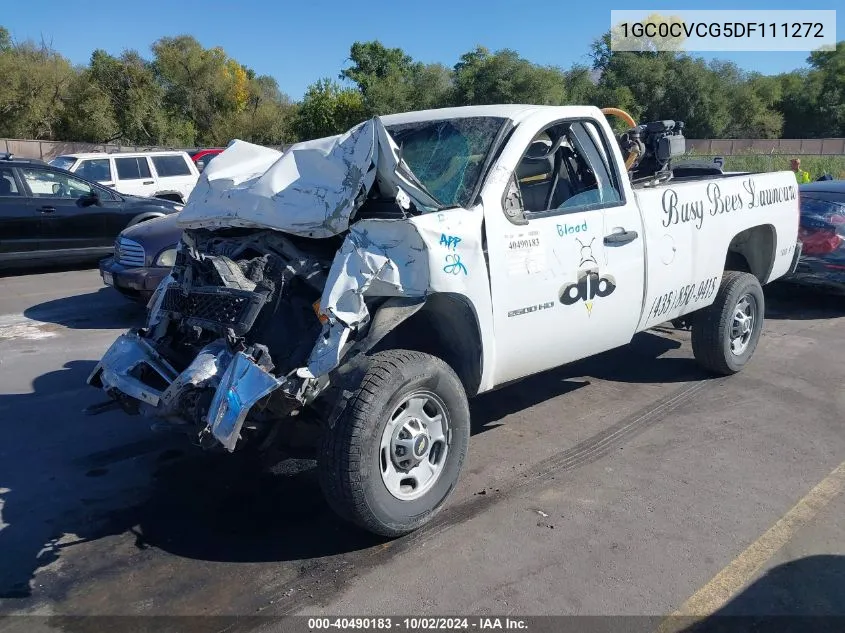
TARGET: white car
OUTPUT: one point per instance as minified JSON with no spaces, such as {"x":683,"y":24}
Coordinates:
{"x":170,"y":175}
{"x":362,"y":287}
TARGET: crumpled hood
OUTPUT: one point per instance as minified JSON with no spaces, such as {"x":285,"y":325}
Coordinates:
{"x":311,"y":190}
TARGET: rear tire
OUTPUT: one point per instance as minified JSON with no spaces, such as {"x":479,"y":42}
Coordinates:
{"x":725,"y":334}
{"x":395,"y":453}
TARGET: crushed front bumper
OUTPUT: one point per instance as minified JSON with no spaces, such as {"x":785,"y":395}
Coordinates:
{"x":124,"y":364}
{"x":132,"y":369}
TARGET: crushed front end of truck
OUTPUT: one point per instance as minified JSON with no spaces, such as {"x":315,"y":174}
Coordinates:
{"x":268,"y":290}
{"x":226,"y":331}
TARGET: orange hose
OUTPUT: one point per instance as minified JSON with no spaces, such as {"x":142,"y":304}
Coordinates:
{"x":632,"y":157}
{"x":621,"y":114}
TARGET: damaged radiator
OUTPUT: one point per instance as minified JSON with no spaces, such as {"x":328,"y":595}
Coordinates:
{"x":215,"y":308}
{"x":235,"y":317}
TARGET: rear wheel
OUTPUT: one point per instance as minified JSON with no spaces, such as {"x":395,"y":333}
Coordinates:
{"x":395,"y":453}
{"x":725,"y":334}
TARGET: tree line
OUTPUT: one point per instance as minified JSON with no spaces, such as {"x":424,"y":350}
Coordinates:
{"x":189,"y":95}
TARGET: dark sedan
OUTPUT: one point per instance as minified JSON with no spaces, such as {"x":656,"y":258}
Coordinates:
{"x":822,"y":234}
{"x":143,"y":255}
{"x":50,"y":215}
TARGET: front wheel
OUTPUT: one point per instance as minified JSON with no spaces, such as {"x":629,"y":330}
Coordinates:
{"x":395,"y":453}
{"x":725,"y":334}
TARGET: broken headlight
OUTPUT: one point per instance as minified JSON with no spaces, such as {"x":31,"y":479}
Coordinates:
{"x":166,"y":258}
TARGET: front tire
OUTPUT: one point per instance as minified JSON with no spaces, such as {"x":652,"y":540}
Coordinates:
{"x":395,"y":453}
{"x":725,"y":334}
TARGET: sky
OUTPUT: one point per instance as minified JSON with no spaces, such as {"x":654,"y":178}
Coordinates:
{"x":299,"y":42}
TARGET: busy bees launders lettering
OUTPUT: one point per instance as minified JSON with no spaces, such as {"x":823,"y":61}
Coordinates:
{"x":677,"y":210}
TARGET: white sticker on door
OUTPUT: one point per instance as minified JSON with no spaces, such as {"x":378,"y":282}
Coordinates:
{"x":525,"y":253}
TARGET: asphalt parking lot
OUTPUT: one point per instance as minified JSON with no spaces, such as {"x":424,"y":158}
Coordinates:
{"x":627,"y":484}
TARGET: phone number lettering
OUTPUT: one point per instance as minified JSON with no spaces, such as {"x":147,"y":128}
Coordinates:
{"x":681,"y":297}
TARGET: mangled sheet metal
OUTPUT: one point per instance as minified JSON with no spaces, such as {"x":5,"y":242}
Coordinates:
{"x":435,"y":252}
{"x":312,"y":190}
{"x":121,"y":362}
{"x":242,"y":385}
{"x":378,"y":257}
{"x":381,"y":258}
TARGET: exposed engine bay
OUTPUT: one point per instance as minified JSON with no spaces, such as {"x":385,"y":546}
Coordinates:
{"x":239,"y":306}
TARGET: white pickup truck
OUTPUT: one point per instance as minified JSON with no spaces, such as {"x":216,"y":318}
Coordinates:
{"x":364,"y":286}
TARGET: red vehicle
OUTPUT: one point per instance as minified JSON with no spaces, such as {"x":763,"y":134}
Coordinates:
{"x":202,"y":157}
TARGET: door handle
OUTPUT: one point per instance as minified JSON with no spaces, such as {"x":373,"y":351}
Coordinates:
{"x":617,"y":239}
{"x":47,"y":209}
{"x":149,"y":182}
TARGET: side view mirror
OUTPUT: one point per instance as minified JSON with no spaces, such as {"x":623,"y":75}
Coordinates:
{"x":89,"y":199}
{"x":512,"y":203}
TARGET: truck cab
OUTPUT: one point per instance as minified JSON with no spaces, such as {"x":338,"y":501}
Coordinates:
{"x":569,"y":229}
{"x":565,"y":244}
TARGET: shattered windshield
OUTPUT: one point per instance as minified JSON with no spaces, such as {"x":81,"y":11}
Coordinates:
{"x":447,"y":156}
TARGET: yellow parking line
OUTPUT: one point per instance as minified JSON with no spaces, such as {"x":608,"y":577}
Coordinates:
{"x":744,"y":567}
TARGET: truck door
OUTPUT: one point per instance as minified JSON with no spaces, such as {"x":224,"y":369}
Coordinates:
{"x":565,"y":247}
